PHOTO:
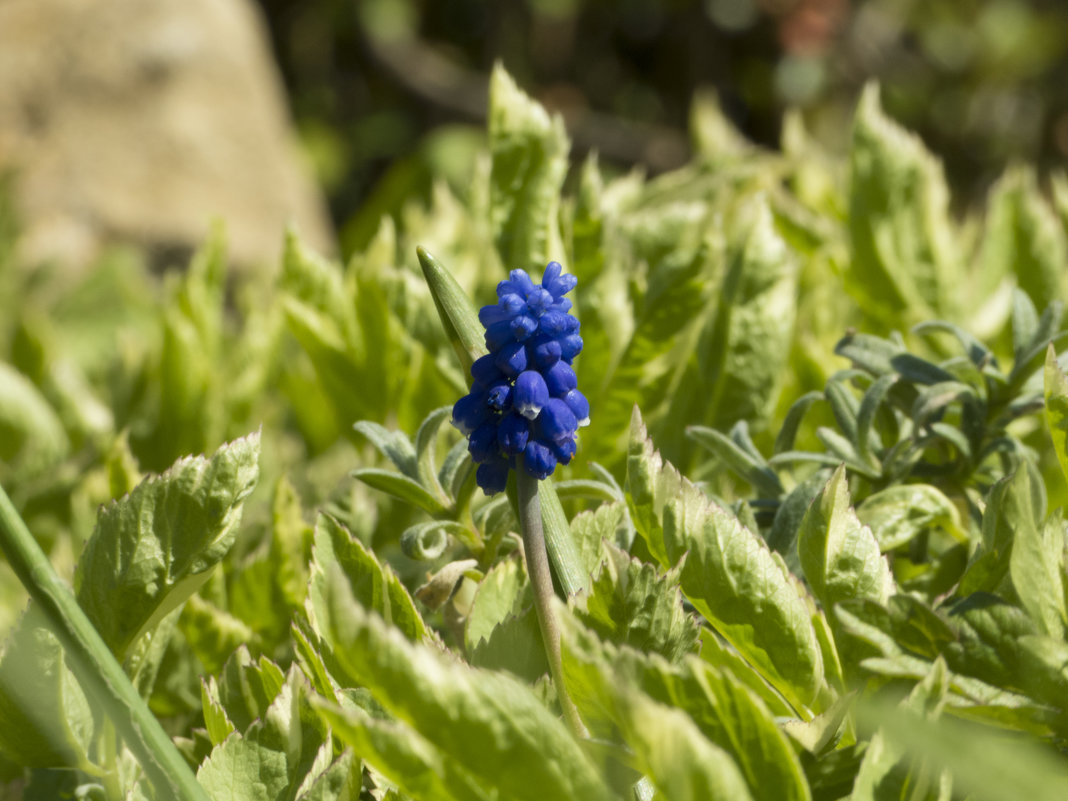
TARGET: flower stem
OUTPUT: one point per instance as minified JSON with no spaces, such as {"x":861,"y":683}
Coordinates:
{"x":94,"y":664}
{"x":530,"y":524}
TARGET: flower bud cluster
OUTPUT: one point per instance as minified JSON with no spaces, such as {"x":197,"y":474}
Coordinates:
{"x":524,"y":407}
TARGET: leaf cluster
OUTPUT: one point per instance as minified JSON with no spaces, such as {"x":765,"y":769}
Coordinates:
{"x":858,"y":591}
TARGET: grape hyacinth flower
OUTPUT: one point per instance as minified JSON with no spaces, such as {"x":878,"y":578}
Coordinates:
{"x":522,"y":413}
{"x":524,"y":407}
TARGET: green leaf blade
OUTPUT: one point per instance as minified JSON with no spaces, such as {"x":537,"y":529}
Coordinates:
{"x":898,"y":514}
{"x":728,"y":573}
{"x":151,"y":549}
{"x":682,"y":764}
{"x":31,"y":433}
{"x":499,"y":731}
{"x":401,"y":755}
{"x":457,"y":312}
{"x":839,"y":555}
{"x":402,"y":487}
{"x":529,"y":161}
{"x":744,"y":354}
{"x":903,"y":248}
{"x":629,"y":603}
{"x":1024,"y":236}
{"x":45,"y":717}
{"x":276,"y":757}
{"x":730,"y":576}
{"x":341,"y":563}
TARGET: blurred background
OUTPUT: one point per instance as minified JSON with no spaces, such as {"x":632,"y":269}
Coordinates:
{"x":134,"y":120}
{"x":983,"y":82}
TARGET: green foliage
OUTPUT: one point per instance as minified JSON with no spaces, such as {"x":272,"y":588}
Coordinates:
{"x":45,"y":718}
{"x":401,"y":756}
{"x":607,"y":682}
{"x":840,"y":555}
{"x":812,"y":546}
{"x":903,"y":248}
{"x":153,"y":548}
{"x":628,"y":603}
{"x":727,"y":573}
{"x":499,"y":731}
{"x":282,"y":754}
{"x":680,"y":763}
{"x":1025,"y":233}
{"x":31,"y":431}
{"x":341,"y":564}
{"x":887,"y":772}
{"x":529,"y":162}
{"x":742,"y":354}
{"x":1056,"y":405}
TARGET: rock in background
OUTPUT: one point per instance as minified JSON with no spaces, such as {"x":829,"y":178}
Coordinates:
{"x":143,"y":120}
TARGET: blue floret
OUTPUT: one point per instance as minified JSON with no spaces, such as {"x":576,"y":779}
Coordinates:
{"x":524,"y":408}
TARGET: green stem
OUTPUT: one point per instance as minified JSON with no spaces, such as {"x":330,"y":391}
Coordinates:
{"x":110,"y":747}
{"x":541,"y":581}
{"x":94,"y":664}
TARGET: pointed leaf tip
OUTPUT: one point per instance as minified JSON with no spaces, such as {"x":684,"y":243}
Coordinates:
{"x":839,"y":554}
{"x":456,"y":310}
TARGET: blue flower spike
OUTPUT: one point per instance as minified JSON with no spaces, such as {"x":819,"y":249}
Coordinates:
{"x":524,"y":408}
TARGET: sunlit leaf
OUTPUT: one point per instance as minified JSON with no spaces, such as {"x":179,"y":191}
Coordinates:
{"x":630,"y":603}
{"x":899,"y":513}
{"x":340,"y":558}
{"x":212,"y":633}
{"x":153,"y":548}
{"x":31,"y":433}
{"x":728,"y":573}
{"x":886,"y":771}
{"x":986,"y":765}
{"x":502,"y":593}
{"x":402,"y":755}
{"x":529,"y":151}
{"x":276,"y":757}
{"x":743,"y":354}
{"x":488,"y":723}
{"x":839,"y":554}
{"x":1024,"y":237}
{"x":903,"y":247}
{"x":1012,"y":506}
{"x":1056,"y":396}
{"x":682,"y":765}
{"x":247,"y":687}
